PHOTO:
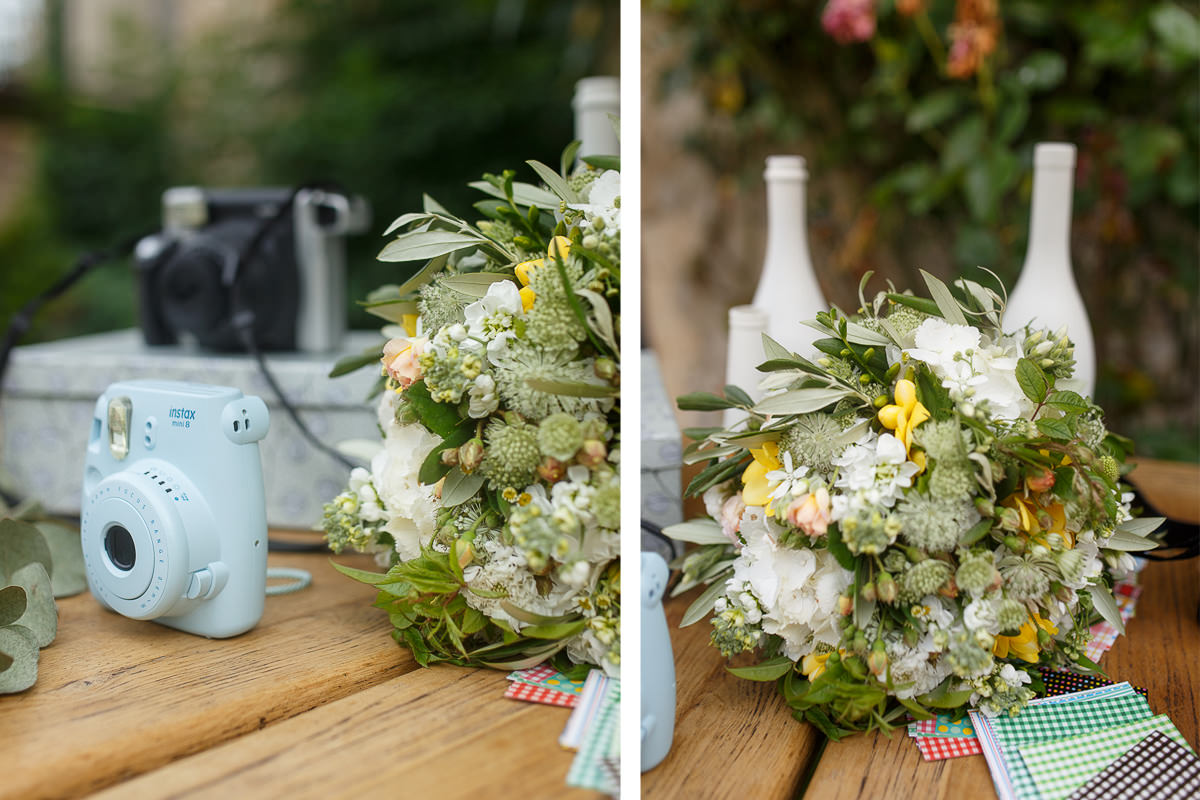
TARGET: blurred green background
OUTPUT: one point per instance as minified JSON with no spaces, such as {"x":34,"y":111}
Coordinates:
{"x":918,"y":119}
{"x":124,"y":98}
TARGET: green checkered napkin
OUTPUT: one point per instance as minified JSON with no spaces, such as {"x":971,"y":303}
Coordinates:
{"x":597,"y":764}
{"x":1042,"y":723}
{"x":1062,"y":766}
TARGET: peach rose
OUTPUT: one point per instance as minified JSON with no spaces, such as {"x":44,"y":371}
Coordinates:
{"x":400,"y":359}
{"x":810,"y":512}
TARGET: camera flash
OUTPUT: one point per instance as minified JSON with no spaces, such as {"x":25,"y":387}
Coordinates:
{"x":120,"y":410}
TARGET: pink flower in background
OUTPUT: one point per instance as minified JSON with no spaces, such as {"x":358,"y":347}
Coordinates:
{"x":400,"y":360}
{"x":849,"y":21}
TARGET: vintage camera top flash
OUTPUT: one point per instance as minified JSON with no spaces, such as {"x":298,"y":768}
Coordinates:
{"x":120,"y":410}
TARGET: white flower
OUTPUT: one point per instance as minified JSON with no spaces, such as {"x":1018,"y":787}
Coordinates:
{"x":981,"y":614}
{"x":483,"y":397}
{"x":874,"y":471}
{"x":604,"y":197}
{"x":791,"y":480}
{"x":797,"y":589}
{"x":1014,"y":677}
{"x":973,"y":369}
{"x":410,"y":507}
{"x":492,"y":318}
{"x":369,"y":504}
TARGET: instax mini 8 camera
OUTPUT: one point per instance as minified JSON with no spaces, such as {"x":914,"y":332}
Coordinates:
{"x":174,"y":524}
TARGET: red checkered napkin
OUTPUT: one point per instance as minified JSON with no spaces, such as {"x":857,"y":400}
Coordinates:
{"x":540,"y":694}
{"x":935,"y":748}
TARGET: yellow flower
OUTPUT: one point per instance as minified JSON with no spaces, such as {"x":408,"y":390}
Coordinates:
{"x":1024,"y":645}
{"x":559,"y":245}
{"x":527,"y":297}
{"x":757,"y":488}
{"x":813,"y":664}
{"x":1028,"y":509}
{"x":905,"y":415}
{"x":409,"y":321}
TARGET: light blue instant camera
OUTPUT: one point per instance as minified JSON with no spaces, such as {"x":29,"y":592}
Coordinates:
{"x":174,"y":525}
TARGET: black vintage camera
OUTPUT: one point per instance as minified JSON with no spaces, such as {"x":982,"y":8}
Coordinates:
{"x":192,"y":283}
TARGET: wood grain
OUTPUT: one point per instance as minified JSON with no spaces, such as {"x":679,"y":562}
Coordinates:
{"x":733,"y":738}
{"x":116,"y":697}
{"x":1172,"y":487}
{"x":441,"y":732}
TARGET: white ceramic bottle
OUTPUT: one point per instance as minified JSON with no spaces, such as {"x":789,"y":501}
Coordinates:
{"x":747,"y":324}
{"x":597,"y":98}
{"x":1046,"y":294}
{"x":787,"y":289}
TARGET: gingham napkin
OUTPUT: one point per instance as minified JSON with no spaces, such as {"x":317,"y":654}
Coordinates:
{"x":1153,"y":769}
{"x":1009,"y":775}
{"x":1064,"y":765}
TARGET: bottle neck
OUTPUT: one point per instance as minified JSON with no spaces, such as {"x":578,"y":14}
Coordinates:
{"x":786,"y":223}
{"x":1050,"y":217}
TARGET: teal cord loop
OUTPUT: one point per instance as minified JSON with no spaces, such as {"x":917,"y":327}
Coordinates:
{"x":300,"y":579}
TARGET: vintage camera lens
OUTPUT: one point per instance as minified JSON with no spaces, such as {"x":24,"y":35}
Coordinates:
{"x":118,"y":544}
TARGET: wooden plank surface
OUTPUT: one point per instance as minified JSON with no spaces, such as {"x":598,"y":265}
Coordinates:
{"x":733,"y":738}
{"x":117,"y":698}
{"x":441,"y":732}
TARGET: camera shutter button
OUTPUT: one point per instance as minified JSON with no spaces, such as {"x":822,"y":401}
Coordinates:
{"x":200,"y":585}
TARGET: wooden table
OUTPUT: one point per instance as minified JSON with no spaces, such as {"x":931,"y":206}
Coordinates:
{"x":316,"y":701}
{"x":736,"y":738}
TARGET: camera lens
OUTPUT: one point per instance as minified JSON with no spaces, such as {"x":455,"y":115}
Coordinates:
{"x":118,"y":544}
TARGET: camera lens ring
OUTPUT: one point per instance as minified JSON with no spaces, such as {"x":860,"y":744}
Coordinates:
{"x":158,"y":575}
{"x":119,"y":547}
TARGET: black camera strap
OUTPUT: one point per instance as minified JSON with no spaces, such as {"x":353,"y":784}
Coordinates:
{"x":243,"y":319}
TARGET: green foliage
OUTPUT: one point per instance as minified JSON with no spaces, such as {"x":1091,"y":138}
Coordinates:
{"x":38,"y":562}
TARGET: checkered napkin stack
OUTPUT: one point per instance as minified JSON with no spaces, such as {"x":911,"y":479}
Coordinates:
{"x":592,"y":729}
{"x":1082,"y":745}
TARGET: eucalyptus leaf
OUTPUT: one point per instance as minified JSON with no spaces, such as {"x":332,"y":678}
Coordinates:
{"x":1103,"y":602}
{"x":946,"y":303}
{"x":800,"y":401}
{"x":697,"y":531}
{"x":66,"y":552}
{"x":1141,"y":526}
{"x":555,"y":181}
{"x":773,"y":349}
{"x":516,"y":612}
{"x":423,"y":245}
{"x":393,"y":311}
{"x":20,"y":544}
{"x":473,"y":284}
{"x":602,"y":314}
{"x":41,"y":615}
{"x":524,"y":194}
{"x":556,"y":631}
{"x":859,"y":335}
{"x":348,"y":364}
{"x":460,"y":487}
{"x":770,"y":670}
{"x":703,"y":604}
{"x":603,"y":162}
{"x":697,"y":455}
{"x":703,"y":401}
{"x":424,"y":274}
{"x":572,"y":388}
{"x":19,"y":644}
{"x":1128,"y":541}
{"x":567,"y":159}
{"x":12,"y":604}
{"x":432,"y":206}
{"x":405,"y":219}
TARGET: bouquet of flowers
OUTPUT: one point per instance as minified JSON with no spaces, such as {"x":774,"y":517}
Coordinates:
{"x":915,"y":520}
{"x":495,"y":500}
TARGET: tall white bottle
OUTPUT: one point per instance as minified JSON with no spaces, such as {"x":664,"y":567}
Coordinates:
{"x":597,"y":98}
{"x":1046,"y":294}
{"x":747,"y":324}
{"x":787,"y":289}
